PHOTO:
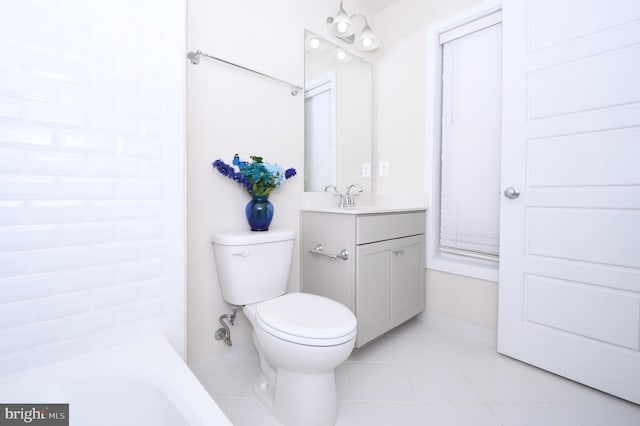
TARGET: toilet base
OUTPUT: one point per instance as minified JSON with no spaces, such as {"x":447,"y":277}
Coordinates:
{"x":300,"y":399}
{"x":265,"y":393}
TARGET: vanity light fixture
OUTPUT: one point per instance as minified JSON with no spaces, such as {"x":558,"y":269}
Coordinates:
{"x":341,"y":26}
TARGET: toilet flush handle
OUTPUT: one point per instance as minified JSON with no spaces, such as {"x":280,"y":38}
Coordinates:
{"x":241,"y":253}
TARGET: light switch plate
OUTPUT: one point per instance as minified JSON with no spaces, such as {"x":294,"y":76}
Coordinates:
{"x":384,"y":168}
{"x":366,"y":170}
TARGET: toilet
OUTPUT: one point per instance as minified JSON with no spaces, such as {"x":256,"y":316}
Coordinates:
{"x":300,"y":338}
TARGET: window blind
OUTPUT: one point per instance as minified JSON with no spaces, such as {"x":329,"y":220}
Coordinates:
{"x":470,"y":150}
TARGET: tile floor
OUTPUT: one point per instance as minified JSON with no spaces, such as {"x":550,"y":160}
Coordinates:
{"x":430,"y":371}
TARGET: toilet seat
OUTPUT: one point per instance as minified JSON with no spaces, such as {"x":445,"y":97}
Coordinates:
{"x":307,"y":319}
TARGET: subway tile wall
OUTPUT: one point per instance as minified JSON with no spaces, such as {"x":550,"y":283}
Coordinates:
{"x":92,"y":186}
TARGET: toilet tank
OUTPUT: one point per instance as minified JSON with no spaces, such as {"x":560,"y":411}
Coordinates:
{"x":253,"y":266}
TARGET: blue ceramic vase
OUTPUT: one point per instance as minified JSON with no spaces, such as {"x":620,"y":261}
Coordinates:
{"x":259,"y":213}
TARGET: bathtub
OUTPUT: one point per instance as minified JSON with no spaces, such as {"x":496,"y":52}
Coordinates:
{"x":137,"y":384}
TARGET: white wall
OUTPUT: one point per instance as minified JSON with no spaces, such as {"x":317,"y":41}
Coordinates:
{"x":231,"y":111}
{"x":400,"y":96}
{"x":91,"y":176}
{"x":467,"y":299}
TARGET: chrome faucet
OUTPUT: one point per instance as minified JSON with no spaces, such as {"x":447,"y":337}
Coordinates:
{"x":350,"y":199}
{"x":347,"y":199}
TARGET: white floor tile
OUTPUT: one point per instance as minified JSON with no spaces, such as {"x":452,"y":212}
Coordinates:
{"x":441,"y":383}
{"x":429,"y":373}
{"x":246,"y":412}
{"x":564,"y":390}
{"x":510,"y":383}
{"x":404,"y":348}
{"x":415,"y":414}
{"x":566,"y":414}
{"x":380,"y":383}
{"x":381,"y":414}
{"x":414,"y":326}
{"x":460,"y":415}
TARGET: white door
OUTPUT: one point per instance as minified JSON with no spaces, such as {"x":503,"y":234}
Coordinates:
{"x":320,"y":135}
{"x":570,"y":243}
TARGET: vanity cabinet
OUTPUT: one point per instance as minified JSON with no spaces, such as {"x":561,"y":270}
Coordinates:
{"x":382,"y":281}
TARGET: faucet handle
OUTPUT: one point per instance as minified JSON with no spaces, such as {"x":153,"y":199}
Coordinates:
{"x":343,"y":197}
{"x":350,"y":187}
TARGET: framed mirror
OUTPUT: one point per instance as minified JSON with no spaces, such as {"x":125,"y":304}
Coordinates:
{"x":338,"y":137}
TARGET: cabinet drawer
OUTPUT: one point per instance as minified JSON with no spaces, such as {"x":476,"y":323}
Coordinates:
{"x":379,"y":227}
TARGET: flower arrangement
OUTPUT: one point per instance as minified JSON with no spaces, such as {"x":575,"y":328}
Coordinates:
{"x":257,"y":177}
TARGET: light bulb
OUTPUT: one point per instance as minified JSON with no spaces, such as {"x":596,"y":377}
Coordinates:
{"x":314,"y":43}
{"x":342,"y":27}
{"x":367,"y":40}
{"x":340,"y":54}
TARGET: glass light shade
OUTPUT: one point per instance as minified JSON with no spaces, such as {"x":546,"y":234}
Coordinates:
{"x":367,"y":40}
{"x":314,"y":43}
{"x":340,"y":25}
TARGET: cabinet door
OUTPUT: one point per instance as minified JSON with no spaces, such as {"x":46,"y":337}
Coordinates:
{"x":373,"y":290}
{"x":408,"y":287}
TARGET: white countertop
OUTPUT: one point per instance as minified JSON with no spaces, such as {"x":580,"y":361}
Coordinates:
{"x":366,"y":203}
{"x":364,"y":209}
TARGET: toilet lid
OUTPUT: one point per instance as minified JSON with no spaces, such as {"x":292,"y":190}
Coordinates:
{"x":307,"y":319}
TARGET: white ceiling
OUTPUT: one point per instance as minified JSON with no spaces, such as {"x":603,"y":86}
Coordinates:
{"x":377,"y":5}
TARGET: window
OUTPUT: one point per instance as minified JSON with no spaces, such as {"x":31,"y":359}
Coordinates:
{"x":465,"y":186}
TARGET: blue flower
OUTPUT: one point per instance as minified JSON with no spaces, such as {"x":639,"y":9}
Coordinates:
{"x":276,"y":173}
{"x":228,"y":171}
{"x":256,"y":172}
{"x":289,"y":173}
{"x":258,"y":177}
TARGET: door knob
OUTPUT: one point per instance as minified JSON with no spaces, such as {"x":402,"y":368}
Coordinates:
{"x":512,"y":192}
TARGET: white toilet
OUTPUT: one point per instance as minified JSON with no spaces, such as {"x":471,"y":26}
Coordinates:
{"x":300,"y":337}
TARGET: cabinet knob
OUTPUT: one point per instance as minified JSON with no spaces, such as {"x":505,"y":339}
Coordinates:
{"x":398,"y":252}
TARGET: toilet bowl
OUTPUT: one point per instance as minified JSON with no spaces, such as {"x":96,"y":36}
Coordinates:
{"x":303,"y":337}
{"x":300,"y":338}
